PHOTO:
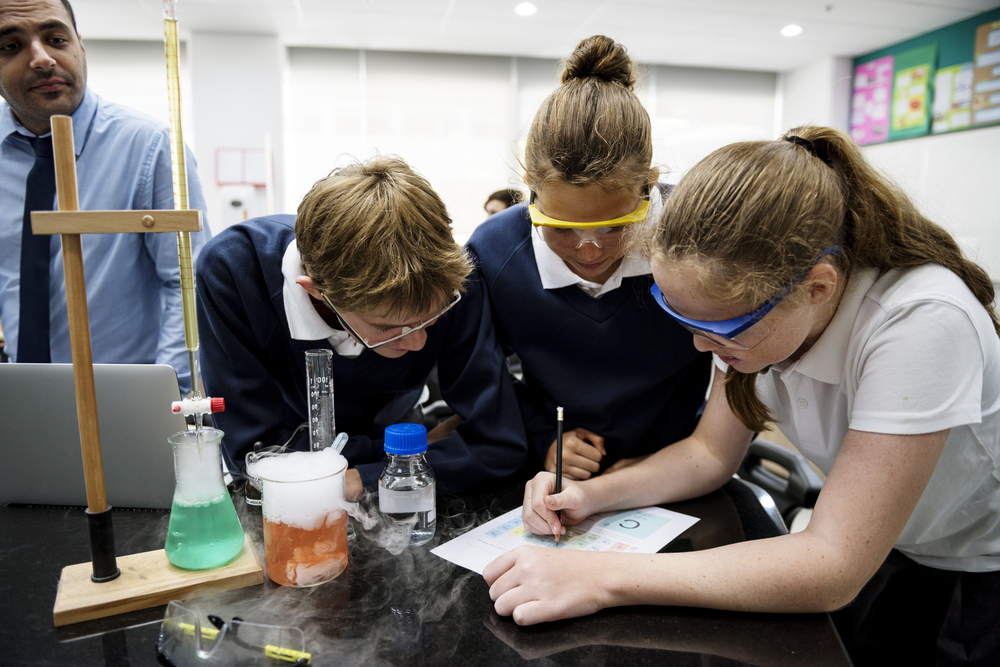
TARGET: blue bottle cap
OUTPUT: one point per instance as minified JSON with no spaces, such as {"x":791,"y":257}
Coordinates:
{"x":405,"y":439}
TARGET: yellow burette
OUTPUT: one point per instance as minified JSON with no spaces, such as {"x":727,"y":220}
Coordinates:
{"x":178,"y":161}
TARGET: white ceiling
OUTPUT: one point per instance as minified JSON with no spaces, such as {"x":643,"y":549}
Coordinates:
{"x":736,"y":34}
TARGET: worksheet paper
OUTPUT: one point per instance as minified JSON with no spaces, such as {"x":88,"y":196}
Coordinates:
{"x":638,"y":531}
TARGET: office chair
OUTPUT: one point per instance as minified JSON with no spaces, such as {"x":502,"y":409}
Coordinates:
{"x":792,"y":496}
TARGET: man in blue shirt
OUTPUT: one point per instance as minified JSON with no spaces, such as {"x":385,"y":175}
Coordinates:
{"x":123,"y":162}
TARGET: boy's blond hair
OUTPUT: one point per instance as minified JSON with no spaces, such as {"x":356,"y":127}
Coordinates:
{"x":375,"y":238}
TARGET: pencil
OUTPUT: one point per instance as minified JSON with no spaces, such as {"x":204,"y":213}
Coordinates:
{"x":559,"y":447}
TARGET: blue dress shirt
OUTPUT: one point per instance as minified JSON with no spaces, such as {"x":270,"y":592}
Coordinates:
{"x":133,"y":280}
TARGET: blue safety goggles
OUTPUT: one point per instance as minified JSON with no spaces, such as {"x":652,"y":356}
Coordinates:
{"x":743,"y":332}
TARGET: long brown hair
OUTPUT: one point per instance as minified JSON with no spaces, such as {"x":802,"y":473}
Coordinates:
{"x":758,"y":214}
{"x":593,"y":128}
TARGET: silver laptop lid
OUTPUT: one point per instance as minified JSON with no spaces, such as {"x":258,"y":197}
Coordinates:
{"x":40,"y":434}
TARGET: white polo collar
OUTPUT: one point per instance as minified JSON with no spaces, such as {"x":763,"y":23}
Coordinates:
{"x":304,"y":323}
{"x":826,"y":359}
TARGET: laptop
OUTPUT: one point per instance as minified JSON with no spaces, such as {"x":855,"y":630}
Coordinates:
{"x":40,"y":434}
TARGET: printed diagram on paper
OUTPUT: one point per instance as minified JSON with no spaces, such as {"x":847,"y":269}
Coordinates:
{"x":641,"y":531}
{"x":617,"y":532}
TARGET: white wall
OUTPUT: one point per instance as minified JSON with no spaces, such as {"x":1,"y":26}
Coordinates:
{"x":954,"y":179}
{"x":697,"y":110}
{"x":818,"y":93}
{"x":237,"y":94}
{"x":134,"y":73}
{"x":459,"y":120}
{"x":231,"y":99}
{"x":449,"y":117}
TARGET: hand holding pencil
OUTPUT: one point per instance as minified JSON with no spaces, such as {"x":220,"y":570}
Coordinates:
{"x":545,"y":514}
{"x":559,"y":455}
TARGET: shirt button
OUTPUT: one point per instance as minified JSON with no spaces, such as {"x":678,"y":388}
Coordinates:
{"x":802,"y":403}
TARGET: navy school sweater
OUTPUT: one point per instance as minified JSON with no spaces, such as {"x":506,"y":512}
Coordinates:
{"x":619,"y":365}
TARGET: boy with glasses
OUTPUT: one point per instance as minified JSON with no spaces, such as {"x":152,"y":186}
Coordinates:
{"x":369,"y":269}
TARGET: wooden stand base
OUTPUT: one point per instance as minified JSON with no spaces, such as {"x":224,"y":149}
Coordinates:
{"x":147,"y":580}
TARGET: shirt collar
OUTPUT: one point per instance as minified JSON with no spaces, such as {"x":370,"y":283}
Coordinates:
{"x":304,"y":323}
{"x":555,"y":274}
{"x":826,"y":359}
{"x":83,"y":118}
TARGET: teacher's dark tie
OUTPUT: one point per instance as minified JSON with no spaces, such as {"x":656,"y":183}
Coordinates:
{"x":39,"y":193}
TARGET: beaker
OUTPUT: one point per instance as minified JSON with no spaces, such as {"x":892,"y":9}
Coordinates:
{"x":305,"y":518}
{"x":204,"y":531}
{"x":319,"y":383}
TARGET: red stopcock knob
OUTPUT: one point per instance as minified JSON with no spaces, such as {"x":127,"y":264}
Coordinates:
{"x":195,"y":406}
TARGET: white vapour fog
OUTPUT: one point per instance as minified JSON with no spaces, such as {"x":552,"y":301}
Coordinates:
{"x":198,"y":464}
{"x":301,"y":488}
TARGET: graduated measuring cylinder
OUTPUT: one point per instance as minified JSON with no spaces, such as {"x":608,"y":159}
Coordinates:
{"x":319,"y":383}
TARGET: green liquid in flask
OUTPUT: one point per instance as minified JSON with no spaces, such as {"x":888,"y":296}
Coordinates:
{"x":203,"y":535}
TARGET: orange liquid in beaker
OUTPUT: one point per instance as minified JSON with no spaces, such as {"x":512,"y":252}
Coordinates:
{"x":298,"y":557}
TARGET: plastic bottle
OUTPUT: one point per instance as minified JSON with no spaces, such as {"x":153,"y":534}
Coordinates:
{"x":406,"y":486}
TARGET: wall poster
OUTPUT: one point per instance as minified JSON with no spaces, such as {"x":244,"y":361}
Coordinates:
{"x":986,"y":82}
{"x":870,"y":106}
{"x":953,"y":98}
{"x":911,"y":92}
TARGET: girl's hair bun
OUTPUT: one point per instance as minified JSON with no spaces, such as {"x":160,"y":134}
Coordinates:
{"x":602,"y":58}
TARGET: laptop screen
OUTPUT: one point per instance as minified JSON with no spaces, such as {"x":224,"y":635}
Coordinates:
{"x":40,"y":434}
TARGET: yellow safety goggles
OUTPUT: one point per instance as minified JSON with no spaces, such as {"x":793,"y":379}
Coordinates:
{"x":539,"y":219}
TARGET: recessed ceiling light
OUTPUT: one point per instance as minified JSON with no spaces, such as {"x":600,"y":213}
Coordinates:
{"x":791,"y":30}
{"x":525,"y":9}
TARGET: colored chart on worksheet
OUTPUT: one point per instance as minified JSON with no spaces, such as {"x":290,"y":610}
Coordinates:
{"x":641,"y":531}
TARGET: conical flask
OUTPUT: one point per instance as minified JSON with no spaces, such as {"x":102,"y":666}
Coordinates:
{"x":204,"y":530}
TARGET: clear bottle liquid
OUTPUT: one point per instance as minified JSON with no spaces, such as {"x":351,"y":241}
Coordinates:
{"x":406,"y":487}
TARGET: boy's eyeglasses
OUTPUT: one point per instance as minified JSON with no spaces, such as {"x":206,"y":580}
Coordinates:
{"x":743,"y":332}
{"x":404,"y":330}
{"x":564,"y":235}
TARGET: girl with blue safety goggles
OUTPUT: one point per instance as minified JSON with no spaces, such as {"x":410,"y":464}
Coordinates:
{"x":743,"y":332}
{"x":883,"y":368}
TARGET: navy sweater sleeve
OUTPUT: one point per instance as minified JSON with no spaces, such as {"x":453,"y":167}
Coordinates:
{"x":235,"y":319}
{"x":539,"y":429}
{"x":489,"y":444}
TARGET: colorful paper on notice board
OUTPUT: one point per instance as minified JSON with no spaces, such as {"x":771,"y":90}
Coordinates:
{"x":911,"y":92}
{"x":870,"y":106}
{"x":986,"y":82}
{"x":953,"y":98}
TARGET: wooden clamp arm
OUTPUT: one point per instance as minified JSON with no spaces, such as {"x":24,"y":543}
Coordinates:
{"x":72,"y":221}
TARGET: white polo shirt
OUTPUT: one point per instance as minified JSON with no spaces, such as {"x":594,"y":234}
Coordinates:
{"x":908,"y":352}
